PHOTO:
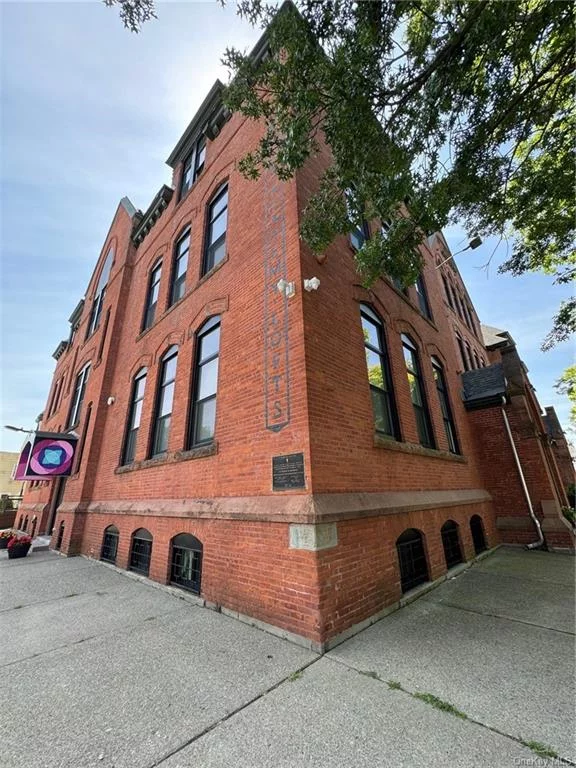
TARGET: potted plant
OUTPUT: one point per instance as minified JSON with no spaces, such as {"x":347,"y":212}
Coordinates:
{"x":5,"y":537}
{"x":18,"y":546}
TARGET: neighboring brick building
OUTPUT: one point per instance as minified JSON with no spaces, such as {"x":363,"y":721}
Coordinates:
{"x":302,"y":460}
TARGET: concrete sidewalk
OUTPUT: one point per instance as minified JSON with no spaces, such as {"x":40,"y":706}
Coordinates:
{"x":99,"y":669}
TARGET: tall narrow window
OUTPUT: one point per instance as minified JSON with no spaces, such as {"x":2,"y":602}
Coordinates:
{"x":384,"y":407}
{"x":476,"y":359}
{"x":417,"y":392}
{"x":98,"y":300}
{"x":193,"y":166}
{"x":442,"y":390}
{"x":164,"y":401}
{"x":134,"y":415}
{"x":216,"y":236}
{"x":447,"y":291}
{"x":180,"y":266}
{"x":361,"y":231}
{"x":422,"y":297}
{"x":469,"y":355}
{"x":205,"y":383}
{"x":152,"y":297}
{"x":78,"y":397}
{"x":140,"y":551}
{"x":465,"y":362}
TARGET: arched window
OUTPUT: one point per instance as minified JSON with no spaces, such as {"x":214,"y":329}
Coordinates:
{"x":164,"y":401}
{"x":140,"y":551}
{"x":451,"y":543}
{"x":186,"y":562}
{"x":134,"y":415}
{"x":203,"y":412}
{"x":60,"y":537}
{"x":361,"y":231}
{"x":99,"y":294}
{"x":465,"y":363}
{"x":33,"y":531}
{"x":215,"y":248}
{"x":423,"y":302}
{"x":447,"y":290}
{"x":383,"y":404}
{"x":78,"y":396}
{"x":417,"y":392}
{"x":25,"y":523}
{"x":442,"y":390}
{"x":477,"y":531}
{"x":110,"y":544}
{"x":152,"y":296}
{"x":179,"y":267}
{"x":411,"y":559}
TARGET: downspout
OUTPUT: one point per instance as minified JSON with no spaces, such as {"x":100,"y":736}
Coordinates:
{"x":540,"y":542}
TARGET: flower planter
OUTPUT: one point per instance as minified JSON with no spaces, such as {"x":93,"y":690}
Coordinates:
{"x":18,"y":550}
{"x":4,"y":543}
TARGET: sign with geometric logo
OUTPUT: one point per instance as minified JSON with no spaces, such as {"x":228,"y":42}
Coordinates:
{"x":46,"y":455}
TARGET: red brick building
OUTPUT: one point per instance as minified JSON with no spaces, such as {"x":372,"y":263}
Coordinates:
{"x":300,"y":460}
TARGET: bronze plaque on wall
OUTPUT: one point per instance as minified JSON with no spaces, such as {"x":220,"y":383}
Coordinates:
{"x":288,"y":472}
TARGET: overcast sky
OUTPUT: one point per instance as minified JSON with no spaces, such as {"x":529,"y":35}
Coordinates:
{"x":89,"y":113}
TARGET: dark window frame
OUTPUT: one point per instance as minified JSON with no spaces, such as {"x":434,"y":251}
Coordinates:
{"x":140,"y":551}
{"x":422,"y":409}
{"x":385,"y":393}
{"x":130,"y":431}
{"x":447,"y":290}
{"x":151,"y":306}
{"x":412,"y":560}
{"x":178,"y":282}
{"x":213,"y":323}
{"x":478,"y":534}
{"x":185,"y":546}
{"x":192,"y":166}
{"x":157,"y":420}
{"x":422,"y":294}
{"x":100,"y":293}
{"x":78,"y":396}
{"x":445,"y":406}
{"x":451,"y":544}
{"x":109,"y":548}
{"x":211,"y":248}
{"x":462,"y":349}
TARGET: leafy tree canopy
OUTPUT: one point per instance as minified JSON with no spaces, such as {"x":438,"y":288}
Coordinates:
{"x":464,"y":107}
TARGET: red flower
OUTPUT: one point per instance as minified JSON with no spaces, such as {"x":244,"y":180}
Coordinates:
{"x":16,"y":540}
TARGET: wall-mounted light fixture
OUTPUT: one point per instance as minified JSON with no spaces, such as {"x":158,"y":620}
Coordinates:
{"x":311,"y":284}
{"x":285,"y":288}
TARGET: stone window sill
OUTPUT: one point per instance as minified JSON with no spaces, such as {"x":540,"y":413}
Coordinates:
{"x":200,"y":452}
{"x":390,"y":444}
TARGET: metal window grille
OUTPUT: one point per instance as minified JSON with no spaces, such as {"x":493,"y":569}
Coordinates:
{"x":60,"y":536}
{"x":477,"y":531}
{"x":109,"y":545}
{"x":140,"y":553}
{"x":451,"y":543}
{"x":186,"y":563}
{"x":412,"y":560}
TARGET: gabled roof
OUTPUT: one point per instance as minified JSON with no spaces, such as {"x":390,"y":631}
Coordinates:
{"x":484,"y":387}
{"x":495,"y":337}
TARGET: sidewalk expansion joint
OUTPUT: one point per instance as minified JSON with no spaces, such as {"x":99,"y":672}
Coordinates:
{"x":437,"y":703}
{"x":293,"y":676}
{"x":505,"y":618}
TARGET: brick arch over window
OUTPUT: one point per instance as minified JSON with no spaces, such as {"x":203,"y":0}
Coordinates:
{"x":215,"y":187}
{"x":140,"y":551}
{"x":412,"y":559}
{"x":186,"y":562}
{"x":478,"y":534}
{"x":214,"y":307}
{"x":109,"y":549}
{"x":144,"y":361}
{"x":174,"y":339}
{"x":451,"y":543}
{"x":405,"y":327}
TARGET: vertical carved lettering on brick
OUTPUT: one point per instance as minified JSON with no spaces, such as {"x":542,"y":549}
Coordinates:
{"x":276,"y":361}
